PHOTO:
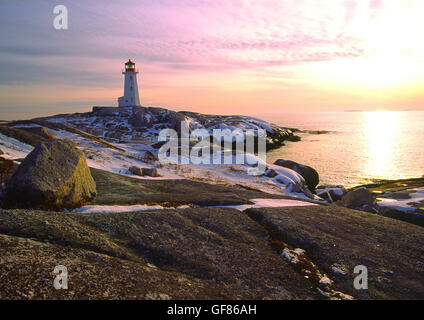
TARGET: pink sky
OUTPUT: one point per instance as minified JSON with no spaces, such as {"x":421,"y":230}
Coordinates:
{"x":244,"y":57}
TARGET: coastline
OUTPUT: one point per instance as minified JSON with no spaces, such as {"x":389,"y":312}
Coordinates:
{"x":191,"y":232}
{"x":392,"y":185}
{"x":359,"y":148}
{"x":105,"y":127}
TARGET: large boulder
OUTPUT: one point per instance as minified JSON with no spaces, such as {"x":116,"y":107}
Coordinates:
{"x":310,"y":175}
{"x":55,"y":174}
{"x":151,"y":172}
{"x":6,"y":168}
{"x":360,"y":199}
{"x":136,"y":171}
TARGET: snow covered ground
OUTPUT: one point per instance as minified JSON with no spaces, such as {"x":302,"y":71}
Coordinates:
{"x":121,"y":209}
{"x":13,"y":149}
{"x":119,"y":159}
{"x":104,"y":158}
{"x":411,"y":202}
{"x":144,"y":123}
{"x":271,"y":203}
{"x":258,"y":203}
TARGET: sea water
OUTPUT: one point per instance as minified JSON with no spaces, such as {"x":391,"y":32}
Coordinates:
{"x":360,"y":147}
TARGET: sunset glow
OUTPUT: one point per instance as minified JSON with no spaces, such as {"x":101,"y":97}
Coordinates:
{"x":177,"y":151}
{"x":216,"y":56}
{"x":381,"y":143}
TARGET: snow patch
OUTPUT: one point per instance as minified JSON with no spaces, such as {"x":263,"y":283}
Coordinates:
{"x":415,"y":196}
{"x":271,"y":203}
{"x":292,"y":255}
{"x":121,"y":209}
{"x":102,"y":157}
{"x":13,"y":149}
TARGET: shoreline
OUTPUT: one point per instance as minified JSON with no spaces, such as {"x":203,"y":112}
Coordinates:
{"x":392,"y":184}
{"x":189,"y":231}
{"x":367,"y":182}
{"x":118,"y":157}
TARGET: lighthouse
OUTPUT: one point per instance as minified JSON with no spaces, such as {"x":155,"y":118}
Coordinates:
{"x":131,"y":97}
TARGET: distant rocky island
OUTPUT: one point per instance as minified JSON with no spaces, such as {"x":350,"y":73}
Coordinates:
{"x":87,"y":191}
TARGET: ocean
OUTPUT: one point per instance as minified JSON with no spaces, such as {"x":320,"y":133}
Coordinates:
{"x":359,"y":148}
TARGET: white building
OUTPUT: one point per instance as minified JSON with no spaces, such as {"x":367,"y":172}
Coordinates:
{"x":131,"y":97}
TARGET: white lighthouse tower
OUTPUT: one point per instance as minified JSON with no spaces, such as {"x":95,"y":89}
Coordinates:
{"x":131,"y":97}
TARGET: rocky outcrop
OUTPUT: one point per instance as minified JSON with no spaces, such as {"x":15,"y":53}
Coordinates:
{"x":144,"y":123}
{"x":310,"y":175}
{"x":39,"y":131}
{"x":55,"y":174}
{"x":137,"y":171}
{"x":151,"y":172}
{"x":22,"y":135}
{"x":118,"y":189}
{"x":400,"y":199}
{"x":414,"y":217}
{"x":360,"y":199}
{"x":199,"y":253}
{"x":206,"y":253}
{"x":338,"y":239}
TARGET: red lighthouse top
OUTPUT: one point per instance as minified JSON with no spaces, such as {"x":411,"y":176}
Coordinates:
{"x":130,"y":66}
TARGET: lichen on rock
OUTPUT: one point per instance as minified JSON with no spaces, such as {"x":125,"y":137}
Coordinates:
{"x":55,"y":174}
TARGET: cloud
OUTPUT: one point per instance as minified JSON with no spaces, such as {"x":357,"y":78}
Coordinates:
{"x":187,"y":35}
{"x":174,"y":42}
{"x":376,"y":4}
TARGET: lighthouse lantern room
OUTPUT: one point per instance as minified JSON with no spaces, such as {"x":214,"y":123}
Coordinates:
{"x":131,"y":97}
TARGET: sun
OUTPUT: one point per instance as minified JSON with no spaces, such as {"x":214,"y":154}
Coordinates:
{"x":391,"y":51}
{"x":382,"y":70}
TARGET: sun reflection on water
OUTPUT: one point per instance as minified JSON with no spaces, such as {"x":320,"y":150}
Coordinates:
{"x":380,"y":131}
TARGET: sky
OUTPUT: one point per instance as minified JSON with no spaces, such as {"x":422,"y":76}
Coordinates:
{"x":219,"y":56}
